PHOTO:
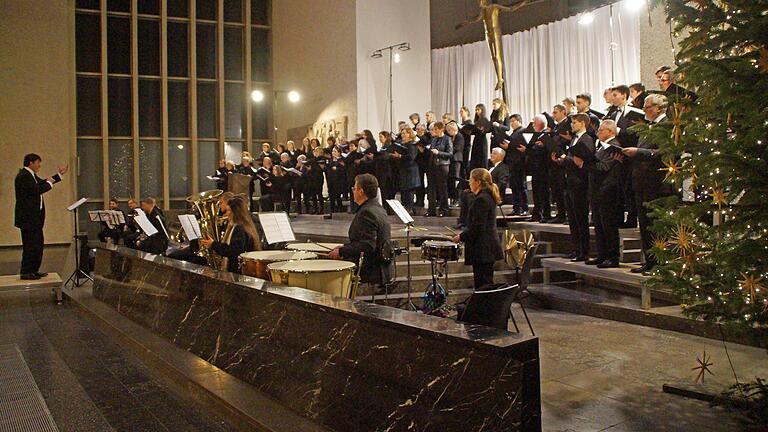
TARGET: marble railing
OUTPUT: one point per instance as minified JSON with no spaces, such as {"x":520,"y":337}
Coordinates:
{"x":349,"y":365}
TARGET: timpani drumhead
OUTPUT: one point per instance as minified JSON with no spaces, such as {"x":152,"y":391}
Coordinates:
{"x":313,"y":247}
{"x":325,"y":276}
{"x":278,"y":255}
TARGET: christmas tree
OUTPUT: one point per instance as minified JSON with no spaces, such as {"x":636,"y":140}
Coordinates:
{"x":713,"y":249}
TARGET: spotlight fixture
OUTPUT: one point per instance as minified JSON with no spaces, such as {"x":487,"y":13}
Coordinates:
{"x":397,"y":58}
{"x":634,"y":5}
{"x":586,"y":19}
{"x":294,"y":96}
{"x":405,"y":46}
{"x":257,"y":95}
{"x":377,"y":54}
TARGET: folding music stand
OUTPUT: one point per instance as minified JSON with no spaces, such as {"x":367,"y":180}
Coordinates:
{"x":77,"y":275}
{"x":406,"y":218}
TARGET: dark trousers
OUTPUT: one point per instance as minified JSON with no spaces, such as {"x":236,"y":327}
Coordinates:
{"x":557,"y":188}
{"x":645,"y":221}
{"x":315,"y":198}
{"x":455,"y":175}
{"x":32,"y":250}
{"x":517,"y":185}
{"x":438,"y":189}
{"x":606,"y":213}
{"x":578,"y":218}
{"x":421,"y":191}
{"x":334,"y":196}
{"x":298,"y":191}
{"x":541,"y":206}
{"x":483,"y":275}
{"x":627,"y":193}
{"x":406,"y":198}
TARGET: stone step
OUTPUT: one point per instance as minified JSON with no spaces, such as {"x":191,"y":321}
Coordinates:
{"x":631,"y":243}
{"x":631,"y":256}
{"x":15,"y":283}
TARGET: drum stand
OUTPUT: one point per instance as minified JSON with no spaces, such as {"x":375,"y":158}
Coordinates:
{"x":408,"y":228}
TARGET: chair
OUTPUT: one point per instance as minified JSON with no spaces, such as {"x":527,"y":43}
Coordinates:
{"x":490,"y":307}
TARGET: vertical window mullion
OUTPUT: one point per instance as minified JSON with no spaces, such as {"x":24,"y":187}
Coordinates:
{"x":135,"y":96}
{"x":164,"y":99}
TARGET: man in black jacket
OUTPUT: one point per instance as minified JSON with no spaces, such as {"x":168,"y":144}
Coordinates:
{"x":577,"y":184}
{"x":30,"y":213}
{"x":456,"y":169}
{"x":157,"y":243}
{"x":537,"y":164}
{"x":368,"y":233}
{"x":441,"y":154}
{"x":648,"y":176}
{"x":625,"y":117}
{"x":561,"y":136}
{"x":604,"y":185}
{"x":515,"y":147}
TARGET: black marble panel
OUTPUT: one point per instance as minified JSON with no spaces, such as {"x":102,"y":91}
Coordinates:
{"x":349,"y":365}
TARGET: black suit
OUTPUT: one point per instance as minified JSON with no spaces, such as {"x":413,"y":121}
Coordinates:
{"x":648,"y":181}
{"x":368,"y":233}
{"x":577,"y":185}
{"x":537,"y":164}
{"x":437,"y":174}
{"x":30,"y":217}
{"x":457,"y":169}
{"x":556,"y":174}
{"x":481,"y":241}
{"x":515,"y":159}
{"x":625,"y":118}
{"x":604,"y":187}
{"x":157,"y":243}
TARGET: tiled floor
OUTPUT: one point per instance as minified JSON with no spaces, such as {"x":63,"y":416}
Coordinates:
{"x":596,"y":374}
{"x":89,"y":382}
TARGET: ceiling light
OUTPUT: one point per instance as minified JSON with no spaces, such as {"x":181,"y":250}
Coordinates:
{"x":376,"y":54}
{"x":257,"y":95}
{"x":397,"y":57}
{"x":586,"y":19}
{"x":294,"y":96}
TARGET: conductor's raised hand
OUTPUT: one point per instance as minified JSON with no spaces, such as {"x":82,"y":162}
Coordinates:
{"x":63,"y":169}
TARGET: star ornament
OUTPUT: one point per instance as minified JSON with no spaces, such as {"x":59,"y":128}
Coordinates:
{"x":719,"y":197}
{"x":660,"y":244}
{"x":671,"y":168}
{"x":703,"y":367}
{"x":752,"y":285}
{"x":683,"y":240}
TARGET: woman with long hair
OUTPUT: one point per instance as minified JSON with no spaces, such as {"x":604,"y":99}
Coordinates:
{"x":481,"y":240}
{"x":240,"y":236}
{"x":383,"y":166}
{"x":499,"y":122}
{"x":482,"y":126}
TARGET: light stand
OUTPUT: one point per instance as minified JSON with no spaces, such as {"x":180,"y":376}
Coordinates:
{"x":402,"y":46}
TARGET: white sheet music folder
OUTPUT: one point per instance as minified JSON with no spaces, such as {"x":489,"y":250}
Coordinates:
{"x":277,"y":227}
{"x":77,"y":204}
{"x":400,"y":211}
{"x":145,"y":224}
{"x":190,"y":225}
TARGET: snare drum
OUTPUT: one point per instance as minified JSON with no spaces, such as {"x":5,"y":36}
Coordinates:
{"x":320,"y":248}
{"x":325,"y":276}
{"x":435,"y":250}
{"x":255,"y":263}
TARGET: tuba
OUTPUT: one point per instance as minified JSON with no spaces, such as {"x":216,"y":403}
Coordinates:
{"x":207,"y":206}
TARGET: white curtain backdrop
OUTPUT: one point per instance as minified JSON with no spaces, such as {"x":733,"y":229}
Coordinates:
{"x":543,"y":65}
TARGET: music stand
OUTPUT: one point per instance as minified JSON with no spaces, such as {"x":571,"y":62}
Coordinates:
{"x":406,"y":218}
{"x":77,"y":275}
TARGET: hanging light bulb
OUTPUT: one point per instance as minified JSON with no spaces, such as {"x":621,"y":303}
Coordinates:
{"x":397,"y":58}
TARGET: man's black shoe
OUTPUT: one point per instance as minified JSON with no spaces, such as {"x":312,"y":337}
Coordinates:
{"x":42,"y":275}
{"x":429,"y":215}
{"x":573,"y":255}
{"x":628,"y":224}
{"x":608,"y":264}
{"x":30,"y":276}
{"x":642,"y":269}
{"x":556,"y":220}
{"x":578,"y":258}
{"x":595,"y":261}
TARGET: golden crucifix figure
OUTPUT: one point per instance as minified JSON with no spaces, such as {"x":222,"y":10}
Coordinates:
{"x":489,"y":14}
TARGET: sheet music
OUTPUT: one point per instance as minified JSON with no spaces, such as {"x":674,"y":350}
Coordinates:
{"x":191,"y":226}
{"x":77,"y":204}
{"x":162,"y":225}
{"x":400,"y":211}
{"x":527,"y":137}
{"x":145,"y":224}
{"x":293,"y":170}
{"x":93,"y":216}
{"x":118,"y":217}
{"x":212,"y":178}
{"x":277,"y":227}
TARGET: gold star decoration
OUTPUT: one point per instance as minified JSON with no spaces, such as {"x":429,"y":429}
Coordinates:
{"x":752,"y":285}
{"x":683,"y":240}
{"x":719,"y":197}
{"x":703,"y":367}
{"x":660,"y":244}
{"x":671,"y":168}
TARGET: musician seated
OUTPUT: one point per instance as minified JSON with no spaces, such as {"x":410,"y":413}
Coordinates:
{"x":116,"y":231}
{"x":369,"y":234}
{"x":132,"y":231}
{"x":157,"y":243}
{"x":239,"y":237}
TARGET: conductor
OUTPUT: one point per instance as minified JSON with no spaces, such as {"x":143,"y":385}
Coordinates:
{"x":30,"y":213}
{"x":369,"y":233}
